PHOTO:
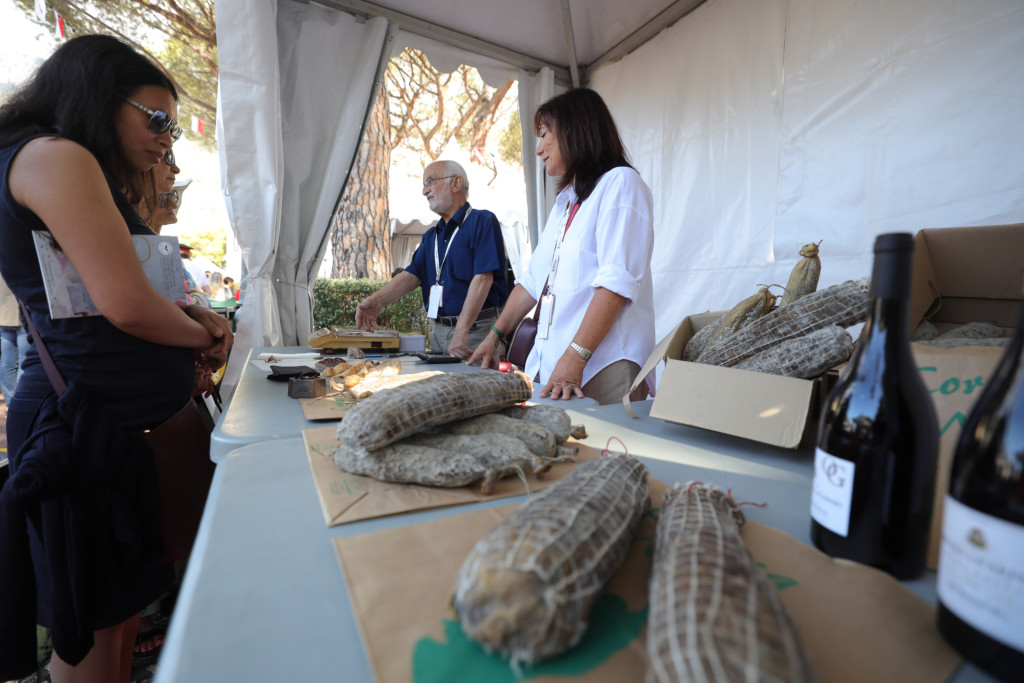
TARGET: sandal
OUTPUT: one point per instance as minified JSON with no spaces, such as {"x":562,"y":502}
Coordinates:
{"x":147,"y":657}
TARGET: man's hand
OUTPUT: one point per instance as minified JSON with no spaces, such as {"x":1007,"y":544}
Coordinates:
{"x":366,"y":314}
{"x":459,"y":345}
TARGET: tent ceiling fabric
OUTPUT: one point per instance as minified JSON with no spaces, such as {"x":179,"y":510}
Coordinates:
{"x":533,"y":33}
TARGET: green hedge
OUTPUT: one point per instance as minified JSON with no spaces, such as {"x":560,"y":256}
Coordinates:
{"x":335,"y":301}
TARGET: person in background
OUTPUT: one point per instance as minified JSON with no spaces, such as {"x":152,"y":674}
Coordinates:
{"x":459,"y":265}
{"x":197,"y":273}
{"x":76,"y":142}
{"x":229,"y":282}
{"x":159,"y":206}
{"x":13,"y":342}
{"x":219,"y":291}
{"x":594,"y":256}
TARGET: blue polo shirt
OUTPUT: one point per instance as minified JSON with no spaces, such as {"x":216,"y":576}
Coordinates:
{"x":478,"y":248}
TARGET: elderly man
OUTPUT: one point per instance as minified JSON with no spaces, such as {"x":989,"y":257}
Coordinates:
{"x":459,"y":265}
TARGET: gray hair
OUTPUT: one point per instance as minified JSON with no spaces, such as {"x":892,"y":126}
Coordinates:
{"x":455,"y":168}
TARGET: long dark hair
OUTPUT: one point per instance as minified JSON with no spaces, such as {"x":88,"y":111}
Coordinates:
{"x":76,"y":93}
{"x":587,"y":138}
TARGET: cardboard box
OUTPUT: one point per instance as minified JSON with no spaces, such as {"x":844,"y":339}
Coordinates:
{"x":412,"y":343}
{"x":781,"y":411}
{"x":962,"y":275}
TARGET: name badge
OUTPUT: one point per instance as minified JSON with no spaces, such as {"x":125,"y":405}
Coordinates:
{"x":547,"y":310}
{"x":434,"y":303}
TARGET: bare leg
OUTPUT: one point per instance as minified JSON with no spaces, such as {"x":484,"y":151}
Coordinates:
{"x":109,"y":660}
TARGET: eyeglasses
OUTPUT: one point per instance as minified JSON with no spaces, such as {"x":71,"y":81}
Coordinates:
{"x":169,"y":157}
{"x":159,"y":121}
{"x":170,"y":198}
{"x":430,"y":181}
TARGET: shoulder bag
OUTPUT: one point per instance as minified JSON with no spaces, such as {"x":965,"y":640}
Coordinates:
{"x":521,"y":343}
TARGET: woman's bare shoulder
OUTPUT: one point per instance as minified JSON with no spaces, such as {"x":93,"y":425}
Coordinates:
{"x":47,"y":164}
{"x":46,"y":150}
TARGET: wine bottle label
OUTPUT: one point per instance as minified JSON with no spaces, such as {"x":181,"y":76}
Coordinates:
{"x":981,"y":572}
{"x":832,"y":492}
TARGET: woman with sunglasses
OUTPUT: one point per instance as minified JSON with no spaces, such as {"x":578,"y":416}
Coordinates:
{"x":76,"y":143}
{"x":159,"y":205}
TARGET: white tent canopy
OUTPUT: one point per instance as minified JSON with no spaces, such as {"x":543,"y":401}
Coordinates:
{"x":760,"y":125}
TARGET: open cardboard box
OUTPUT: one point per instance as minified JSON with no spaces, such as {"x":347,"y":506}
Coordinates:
{"x":962,"y":275}
{"x":781,"y":411}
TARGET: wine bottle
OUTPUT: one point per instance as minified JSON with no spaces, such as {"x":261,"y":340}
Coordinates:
{"x":874,"y":466}
{"x":981,"y":559}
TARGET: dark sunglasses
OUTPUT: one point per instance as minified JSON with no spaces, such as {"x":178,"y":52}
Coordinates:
{"x":160,"y":122}
{"x":169,"y":157}
{"x":169,"y":199}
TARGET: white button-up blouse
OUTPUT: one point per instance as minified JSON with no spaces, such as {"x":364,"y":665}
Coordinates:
{"x":608,"y":244}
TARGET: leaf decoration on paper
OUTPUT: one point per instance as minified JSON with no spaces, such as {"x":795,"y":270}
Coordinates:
{"x":781,"y":582}
{"x":612,"y":628}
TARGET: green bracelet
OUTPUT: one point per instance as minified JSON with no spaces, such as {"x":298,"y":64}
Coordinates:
{"x":496,"y":331}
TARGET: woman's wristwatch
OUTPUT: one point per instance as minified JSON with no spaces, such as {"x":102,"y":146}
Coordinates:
{"x":585,"y":354}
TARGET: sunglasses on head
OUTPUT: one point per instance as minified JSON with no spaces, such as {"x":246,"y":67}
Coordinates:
{"x":169,"y":157}
{"x":160,"y":122}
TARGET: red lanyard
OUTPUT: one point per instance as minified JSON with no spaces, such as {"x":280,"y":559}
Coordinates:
{"x":575,"y":207}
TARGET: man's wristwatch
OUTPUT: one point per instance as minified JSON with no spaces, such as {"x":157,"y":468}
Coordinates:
{"x":585,"y":354}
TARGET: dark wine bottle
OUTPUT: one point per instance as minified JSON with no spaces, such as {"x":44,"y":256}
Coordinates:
{"x":874,"y":467}
{"x":981,"y":559}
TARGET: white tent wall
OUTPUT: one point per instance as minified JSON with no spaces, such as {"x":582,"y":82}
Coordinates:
{"x":762,"y":126}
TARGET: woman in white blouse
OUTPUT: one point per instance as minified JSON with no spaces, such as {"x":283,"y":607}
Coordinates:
{"x":591,"y":267}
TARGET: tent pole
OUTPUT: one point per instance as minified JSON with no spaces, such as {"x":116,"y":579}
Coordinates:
{"x":570,"y":44}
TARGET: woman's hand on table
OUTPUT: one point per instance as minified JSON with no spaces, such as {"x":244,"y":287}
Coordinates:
{"x":566,"y":379}
{"x":484,"y":353}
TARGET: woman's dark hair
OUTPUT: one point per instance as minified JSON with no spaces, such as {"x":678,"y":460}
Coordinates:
{"x":587,"y":138}
{"x":76,"y":93}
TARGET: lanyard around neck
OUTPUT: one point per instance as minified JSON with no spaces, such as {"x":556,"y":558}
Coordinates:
{"x":438,"y":259}
{"x":567,"y":217}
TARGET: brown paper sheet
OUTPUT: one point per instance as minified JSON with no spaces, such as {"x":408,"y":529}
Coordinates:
{"x":346,"y":498}
{"x":859,"y":624}
{"x":330,"y":407}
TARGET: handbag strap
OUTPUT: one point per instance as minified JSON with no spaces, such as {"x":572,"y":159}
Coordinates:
{"x":59,"y":385}
{"x":544,"y":289}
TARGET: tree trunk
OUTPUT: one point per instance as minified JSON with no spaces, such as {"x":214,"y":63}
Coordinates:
{"x":361,"y":228}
